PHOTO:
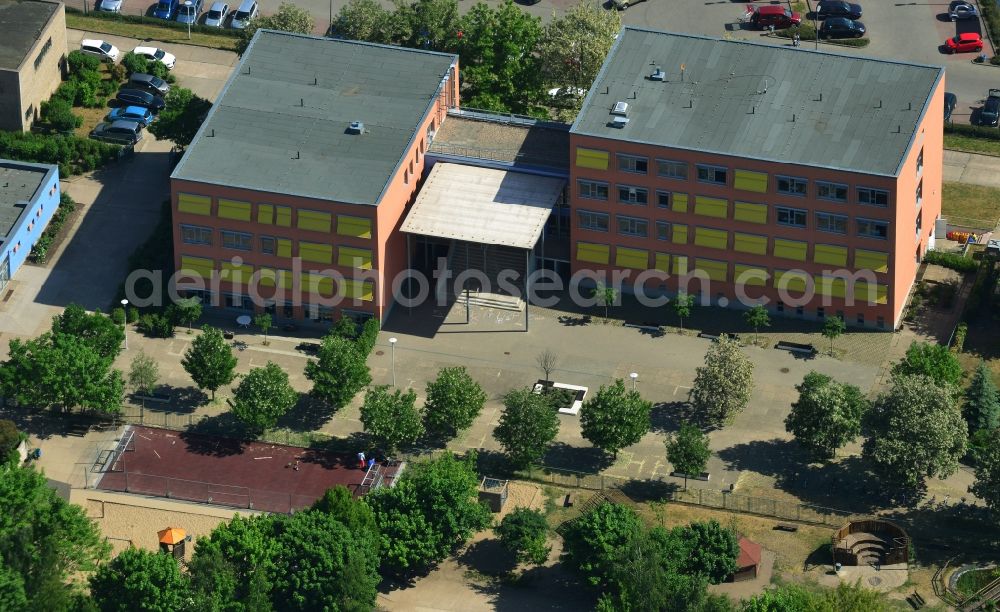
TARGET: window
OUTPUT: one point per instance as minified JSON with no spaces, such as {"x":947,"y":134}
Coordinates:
{"x":790,"y":185}
{"x":919,"y":220}
{"x":267,"y":244}
{"x":835,"y":224}
{"x":662,"y":230}
{"x":920,"y":192}
{"x":820,"y":313}
{"x":712,"y":174}
{"x":633,"y":164}
{"x":193,"y":234}
{"x":880,"y":321}
{"x":672,"y":169}
{"x":799,"y":310}
{"x":795,"y":217}
{"x":780,"y":307}
{"x":663,"y":199}
{"x":633,"y":226}
{"x":873,"y":229}
{"x":593,"y":190}
{"x":831,"y":191}
{"x":873,"y":197}
{"x":594,"y":221}
{"x":861,"y":318}
{"x":42,"y":52}
{"x":632,"y":195}
{"x":920,"y":168}
{"x":236,"y":240}
{"x":406,"y":176}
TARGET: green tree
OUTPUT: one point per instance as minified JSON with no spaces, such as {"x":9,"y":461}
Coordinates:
{"x":288,"y":18}
{"x":78,"y":62}
{"x":262,"y":397}
{"x":794,"y":598}
{"x":932,"y":360}
{"x":94,"y":329}
{"x":12,"y":595}
{"x":833,"y":328}
{"x":143,"y":374}
{"x":982,"y":403}
{"x":188,"y":309}
{"x":364,"y":20}
{"x":233,"y":568}
{"x":46,"y":540}
{"x":454,"y":400}
{"x":723,"y":386}
{"x":826,"y":416}
{"x":605,"y":296}
{"x":209,"y":360}
{"x":391,"y":418}
{"x":527,"y":427}
{"x":263,"y":321}
{"x":135,"y":63}
{"x":10,"y":439}
{"x":916,"y":431}
{"x":57,"y":113}
{"x":593,"y":542}
{"x":139,"y":580}
{"x":987,"y":485}
{"x":431,"y":510}
{"x":683,"y":305}
{"x":711,"y":550}
{"x":523,"y":533}
{"x":756,"y":318}
{"x":352,"y":511}
{"x":615,"y":418}
{"x":688,"y":451}
{"x":339,"y":372}
{"x":181,"y":117}
{"x":426,"y":24}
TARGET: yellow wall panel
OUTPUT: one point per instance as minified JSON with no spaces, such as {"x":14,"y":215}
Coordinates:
{"x":711,"y":207}
{"x":317,"y":283}
{"x":267,"y":277}
{"x":790,"y":249}
{"x":359,"y":227}
{"x":265,"y":214}
{"x":751,"y":181}
{"x":319,"y":253}
{"x":354,"y":258}
{"x":749,"y":212}
{"x":830,"y":254}
{"x":315,"y":221}
{"x":711,"y":238}
{"x":791,"y":281}
{"x":879,"y":294}
{"x":362,"y":290}
{"x":636,"y":259}
{"x":194,"y":204}
{"x":679,"y":202}
{"x":715,"y":270}
{"x":831,"y":286}
{"x":234,"y":209}
{"x":679,"y":234}
{"x":593,"y":253}
{"x":285,"y":278}
{"x":751,"y":275}
{"x":871,"y":260}
{"x":680,"y":265}
{"x":662,"y":262}
{"x":197,"y":266}
{"x":236,"y":273}
{"x":591,"y":158}
{"x":283,"y":216}
{"x":750,"y":243}
{"x":284,"y":248}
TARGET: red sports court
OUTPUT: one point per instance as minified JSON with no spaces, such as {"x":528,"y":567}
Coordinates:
{"x":230,"y":472}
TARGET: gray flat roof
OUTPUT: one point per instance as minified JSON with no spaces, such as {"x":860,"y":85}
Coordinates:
{"x":18,"y":184}
{"x":536,"y":145}
{"x":21,"y":23}
{"x":775,"y":103}
{"x":280,"y":123}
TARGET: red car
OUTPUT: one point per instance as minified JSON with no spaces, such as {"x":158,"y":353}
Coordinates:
{"x":964,"y":43}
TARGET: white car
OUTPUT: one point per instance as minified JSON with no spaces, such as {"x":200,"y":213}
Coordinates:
{"x":216,"y":15}
{"x":111,"y":6}
{"x":152,"y":53}
{"x":99,"y":48}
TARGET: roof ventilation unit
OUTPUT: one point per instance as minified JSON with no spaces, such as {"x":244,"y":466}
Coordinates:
{"x":619,"y":122}
{"x":620,"y":109}
{"x":658,"y":75}
{"x":356,"y":127}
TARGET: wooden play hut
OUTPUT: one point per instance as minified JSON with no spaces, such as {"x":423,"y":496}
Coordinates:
{"x":493,"y":492}
{"x":748,"y":561}
{"x":172,"y":540}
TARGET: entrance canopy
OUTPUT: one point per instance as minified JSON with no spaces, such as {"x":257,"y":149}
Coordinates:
{"x":483,"y":205}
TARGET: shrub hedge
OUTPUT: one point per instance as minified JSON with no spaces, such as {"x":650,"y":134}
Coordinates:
{"x":40,"y":251}
{"x":953,"y":261}
{"x":163,"y":23}
{"x":975,"y":131}
{"x":74,"y":155}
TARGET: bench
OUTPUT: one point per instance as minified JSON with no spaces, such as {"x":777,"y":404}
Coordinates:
{"x":786,"y":527}
{"x":568,"y":502}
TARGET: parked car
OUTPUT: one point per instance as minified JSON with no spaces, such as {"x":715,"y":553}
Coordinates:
{"x":147,"y":82}
{"x":141,"y":115}
{"x":950,"y":102}
{"x":137,"y":97}
{"x":216,"y":16}
{"x":959,"y":10}
{"x":100,"y":48}
{"x":110,"y":6}
{"x":989,"y":114}
{"x":166,"y":9}
{"x":152,"y":53}
{"x":621,"y":5}
{"x":841,"y":27}
{"x":838,"y":8}
{"x":966,"y":42}
{"x":188,"y":11}
{"x":774,"y":15}
{"x":248,"y":10}
{"x":121,"y":132}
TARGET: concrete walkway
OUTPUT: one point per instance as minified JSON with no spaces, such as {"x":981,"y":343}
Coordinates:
{"x":971,"y":168}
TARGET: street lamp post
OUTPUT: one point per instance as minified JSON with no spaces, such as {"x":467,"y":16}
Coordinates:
{"x":125,"y":328}
{"x":633,"y":376}
{"x":190,"y":17}
{"x":392,"y":343}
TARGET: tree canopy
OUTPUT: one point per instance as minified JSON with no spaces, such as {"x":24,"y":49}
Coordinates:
{"x":139,"y":580}
{"x":209,"y":360}
{"x":527,"y":427}
{"x":826,"y":416}
{"x":454,"y":400}
{"x":391,"y":418}
{"x":794,"y":598}
{"x":932,"y":360}
{"x":982,"y":402}
{"x":987,"y":485}
{"x":593,"y":541}
{"x":688,"y":451}
{"x":339,"y":372}
{"x":723,"y":386}
{"x":263,"y":396}
{"x":96,"y":330}
{"x":523,"y":533}
{"x":288,"y":18}
{"x":180,"y":118}
{"x":615,"y":418}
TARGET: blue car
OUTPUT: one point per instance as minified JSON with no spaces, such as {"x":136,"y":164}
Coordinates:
{"x":142,"y":116}
{"x":189,"y":11}
{"x":166,"y":9}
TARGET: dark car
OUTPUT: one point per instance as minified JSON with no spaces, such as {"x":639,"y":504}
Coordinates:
{"x":840,"y":27}
{"x":147,"y":82}
{"x":990,"y":113}
{"x":950,"y":102}
{"x":959,"y":10}
{"x":166,"y":9}
{"x":121,"y":132}
{"x":137,"y":97}
{"x":838,"y":8}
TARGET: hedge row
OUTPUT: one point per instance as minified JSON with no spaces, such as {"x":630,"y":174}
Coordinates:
{"x":975,"y":131}
{"x":40,"y":251}
{"x":953,"y":261}
{"x":155,"y":21}
{"x":73,"y":154}
{"x":806,"y":31}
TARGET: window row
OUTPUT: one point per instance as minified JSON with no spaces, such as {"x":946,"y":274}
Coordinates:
{"x":243,"y":274}
{"x":347,"y":256}
{"x":272,"y":214}
{"x":744,"y":180}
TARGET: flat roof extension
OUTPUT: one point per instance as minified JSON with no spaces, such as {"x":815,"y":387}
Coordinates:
{"x":21,"y":23}
{"x":775,"y":103}
{"x":19,"y":182}
{"x":280,"y":124}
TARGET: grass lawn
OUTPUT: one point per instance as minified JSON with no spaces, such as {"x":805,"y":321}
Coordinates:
{"x":971,"y":582}
{"x":150,"y":31}
{"x":960,"y":142}
{"x":977,"y":202}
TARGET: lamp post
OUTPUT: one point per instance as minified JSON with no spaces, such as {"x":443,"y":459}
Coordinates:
{"x":392,"y":343}
{"x":189,"y":5}
{"x":633,"y":376}
{"x":125,"y":327}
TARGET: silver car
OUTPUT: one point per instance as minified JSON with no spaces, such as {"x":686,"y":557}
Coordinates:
{"x":111,"y":6}
{"x":216,"y":15}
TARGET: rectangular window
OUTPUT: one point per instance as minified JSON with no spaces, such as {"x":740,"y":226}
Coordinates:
{"x":830,"y":254}
{"x":662,"y":230}
{"x":592,"y":190}
{"x":632,"y":226}
{"x":44,"y":50}
{"x":633,"y":164}
{"x":920,"y":192}
{"x":267,"y":245}
{"x":871,"y":228}
{"x":194,"y":234}
{"x":672,"y":169}
{"x":594,"y":221}
{"x":199,"y":267}
{"x":871,"y":260}
{"x":712,"y":174}
{"x":284,"y":247}
{"x":714,"y":270}
{"x":873,"y":197}
{"x":663,"y":199}
{"x":834,"y":224}
{"x":794,"y":217}
{"x":920,"y":164}
{"x":265,"y":214}
{"x":790,"y":185}
{"x":632,"y":195}
{"x":836,"y":192}
{"x":236,"y":240}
